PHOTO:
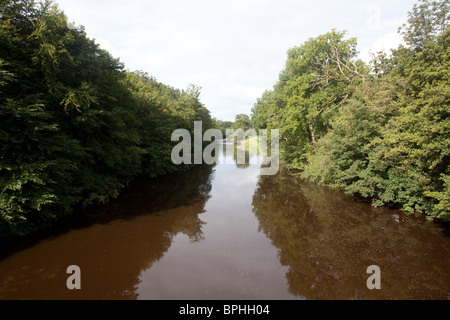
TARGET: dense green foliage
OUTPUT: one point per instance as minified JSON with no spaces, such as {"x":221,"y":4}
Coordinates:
{"x":318,"y":78}
{"x":383,"y":133}
{"x":75,"y":127}
{"x":223,"y":126}
{"x":242,"y":121}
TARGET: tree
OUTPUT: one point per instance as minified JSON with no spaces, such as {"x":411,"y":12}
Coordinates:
{"x":391,"y":144}
{"x":416,"y":141}
{"x":222,"y":126}
{"x":242,"y":121}
{"x":319,"y":77}
{"x":427,"y":21}
{"x":76,"y":128}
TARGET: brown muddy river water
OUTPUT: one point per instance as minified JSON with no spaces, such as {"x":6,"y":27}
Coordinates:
{"x":225,"y":232}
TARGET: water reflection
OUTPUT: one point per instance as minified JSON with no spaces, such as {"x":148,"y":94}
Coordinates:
{"x":328,"y":240}
{"x":231,"y":155}
{"x":113,"y":245}
{"x":225,"y":232}
{"x":235,"y":261}
{"x":242,"y":158}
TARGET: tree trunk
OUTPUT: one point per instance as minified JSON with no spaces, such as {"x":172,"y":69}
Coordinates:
{"x":313,"y":136}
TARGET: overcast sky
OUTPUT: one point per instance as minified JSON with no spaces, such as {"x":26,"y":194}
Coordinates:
{"x":233,"y":49}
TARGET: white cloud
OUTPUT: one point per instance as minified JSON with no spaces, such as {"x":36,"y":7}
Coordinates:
{"x":384,"y":44}
{"x":105,"y":44}
{"x":234,"y":49}
{"x":241,"y":93}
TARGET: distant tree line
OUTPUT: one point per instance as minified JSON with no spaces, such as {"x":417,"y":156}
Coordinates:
{"x":242,"y":121}
{"x":380,"y":131}
{"x":75,"y":127}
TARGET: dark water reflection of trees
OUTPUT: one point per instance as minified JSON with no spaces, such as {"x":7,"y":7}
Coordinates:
{"x":328,"y":240}
{"x":113,"y":245}
{"x":324,"y":238}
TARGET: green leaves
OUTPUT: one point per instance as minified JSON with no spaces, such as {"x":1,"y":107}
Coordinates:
{"x":79,"y":99}
{"x":427,"y":21}
{"x":75,"y":127}
{"x":383,"y":136}
{"x":242,"y":121}
{"x":319,"y":77}
{"x":394,"y":146}
{"x":441,"y":198}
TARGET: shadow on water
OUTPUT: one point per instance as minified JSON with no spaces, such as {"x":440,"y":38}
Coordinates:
{"x":313,"y":242}
{"x":244,"y":162}
{"x":112,"y":244}
{"x":328,"y":240}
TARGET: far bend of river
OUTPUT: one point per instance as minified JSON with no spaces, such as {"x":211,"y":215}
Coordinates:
{"x":225,"y":232}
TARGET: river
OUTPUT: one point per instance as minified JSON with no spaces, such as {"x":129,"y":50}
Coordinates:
{"x":225,"y":232}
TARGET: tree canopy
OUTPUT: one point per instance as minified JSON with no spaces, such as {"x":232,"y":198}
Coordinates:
{"x":382,"y":132}
{"x":75,"y":126}
{"x":319,"y":77}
